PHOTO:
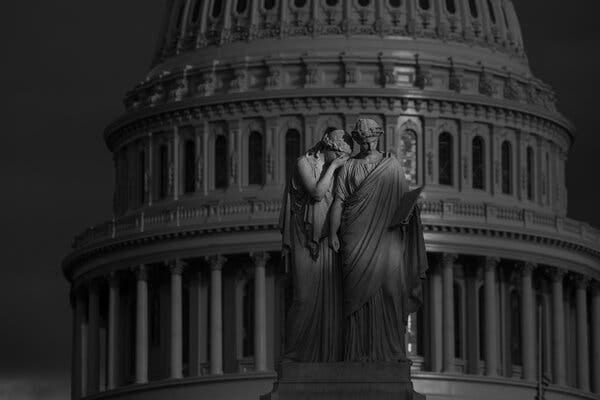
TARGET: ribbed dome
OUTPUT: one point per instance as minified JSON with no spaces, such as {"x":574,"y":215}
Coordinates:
{"x":193,"y":24}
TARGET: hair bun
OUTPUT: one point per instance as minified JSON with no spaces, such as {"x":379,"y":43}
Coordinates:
{"x":366,"y":128}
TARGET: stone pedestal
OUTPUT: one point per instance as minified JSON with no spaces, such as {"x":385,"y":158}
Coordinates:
{"x":347,"y":381}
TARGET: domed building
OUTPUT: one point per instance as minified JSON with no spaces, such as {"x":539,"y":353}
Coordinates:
{"x":182,"y":294}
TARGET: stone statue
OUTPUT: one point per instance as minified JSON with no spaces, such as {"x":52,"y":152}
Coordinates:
{"x":313,"y":332}
{"x":382,"y":264}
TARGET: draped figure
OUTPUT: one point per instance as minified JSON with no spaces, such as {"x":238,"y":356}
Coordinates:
{"x":382,"y":266}
{"x":314,"y":323}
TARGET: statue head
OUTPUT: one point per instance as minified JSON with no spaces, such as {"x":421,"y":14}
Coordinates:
{"x":335,"y":143}
{"x":367,"y":132}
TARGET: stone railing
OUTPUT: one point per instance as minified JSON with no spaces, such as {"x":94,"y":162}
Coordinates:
{"x":245,"y":214}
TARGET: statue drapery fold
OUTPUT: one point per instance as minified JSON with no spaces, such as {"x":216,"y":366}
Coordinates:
{"x":381,"y":266}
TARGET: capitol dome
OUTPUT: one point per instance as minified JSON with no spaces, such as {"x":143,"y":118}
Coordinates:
{"x":182,"y":292}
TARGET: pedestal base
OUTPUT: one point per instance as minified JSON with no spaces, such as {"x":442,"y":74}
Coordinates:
{"x":347,"y":381}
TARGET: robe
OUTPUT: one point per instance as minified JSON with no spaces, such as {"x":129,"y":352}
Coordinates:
{"x":382,"y":267}
{"x":313,"y":326}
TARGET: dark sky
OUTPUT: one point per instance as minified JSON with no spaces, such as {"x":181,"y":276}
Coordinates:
{"x":65,"y":68}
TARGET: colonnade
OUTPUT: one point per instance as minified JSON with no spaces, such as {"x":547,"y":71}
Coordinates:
{"x":97,"y":361}
{"x":490,"y":359}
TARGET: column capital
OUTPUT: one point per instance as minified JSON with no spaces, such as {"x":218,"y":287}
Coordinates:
{"x":176,"y":266}
{"x":92,"y":285}
{"x":491,"y":263}
{"x":595,"y":287}
{"x":141,"y":272}
{"x":113,"y":279}
{"x":260,"y":259}
{"x":448,"y":259}
{"x":527,"y":267}
{"x":557,"y":274}
{"x":216,"y":262}
{"x":581,"y":281}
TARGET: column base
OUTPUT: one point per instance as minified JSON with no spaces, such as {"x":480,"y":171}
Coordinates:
{"x":347,"y":381}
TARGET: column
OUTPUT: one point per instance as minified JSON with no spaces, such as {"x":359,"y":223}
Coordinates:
{"x":176,"y":269}
{"x":596,"y":337}
{"x":583,"y":348}
{"x":199,"y":324}
{"x":79,"y":320}
{"x":436,"y":319}
{"x":93,"y":372}
{"x":528,"y":324}
{"x":558,"y":328}
{"x":491,"y":307}
{"x":113,"y":318}
{"x":141,"y":326}
{"x":216,"y":317}
{"x":448,"y":307}
{"x":260,"y":311}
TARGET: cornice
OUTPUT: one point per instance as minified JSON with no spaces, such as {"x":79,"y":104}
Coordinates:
{"x":459,"y":218}
{"x":310,"y":101}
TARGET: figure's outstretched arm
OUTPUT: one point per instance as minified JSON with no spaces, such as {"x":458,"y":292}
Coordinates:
{"x":317,"y":188}
{"x":334,"y":224}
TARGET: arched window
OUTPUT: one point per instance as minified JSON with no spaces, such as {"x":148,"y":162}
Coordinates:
{"x":515,"y":328}
{"x":530,"y":172}
{"x":255,"y":159}
{"x":492,"y":12}
{"x":473,"y":8}
{"x":216,"y":8}
{"x":241,"y":5}
{"x":221,"y":162}
{"x":424,"y":4}
{"x":269,"y":4}
{"x":142,"y":177}
{"x":364,"y":3}
{"x":451,"y":6}
{"x":163,"y":170}
{"x":445,"y":150}
{"x":248,"y":319}
{"x":299,"y":3}
{"x":458,"y":318}
{"x":189,"y":163}
{"x":395,"y":3}
{"x":481,"y":314}
{"x":478,"y":166}
{"x":408,"y":150}
{"x":547,"y":177}
{"x":196,"y":11}
{"x":292,"y":151}
{"x":331,"y":3}
{"x":506,"y":167}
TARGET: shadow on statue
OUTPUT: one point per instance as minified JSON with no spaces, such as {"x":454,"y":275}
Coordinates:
{"x":355,"y":254}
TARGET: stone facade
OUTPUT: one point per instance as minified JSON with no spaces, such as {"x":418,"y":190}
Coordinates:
{"x":182,"y":293}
